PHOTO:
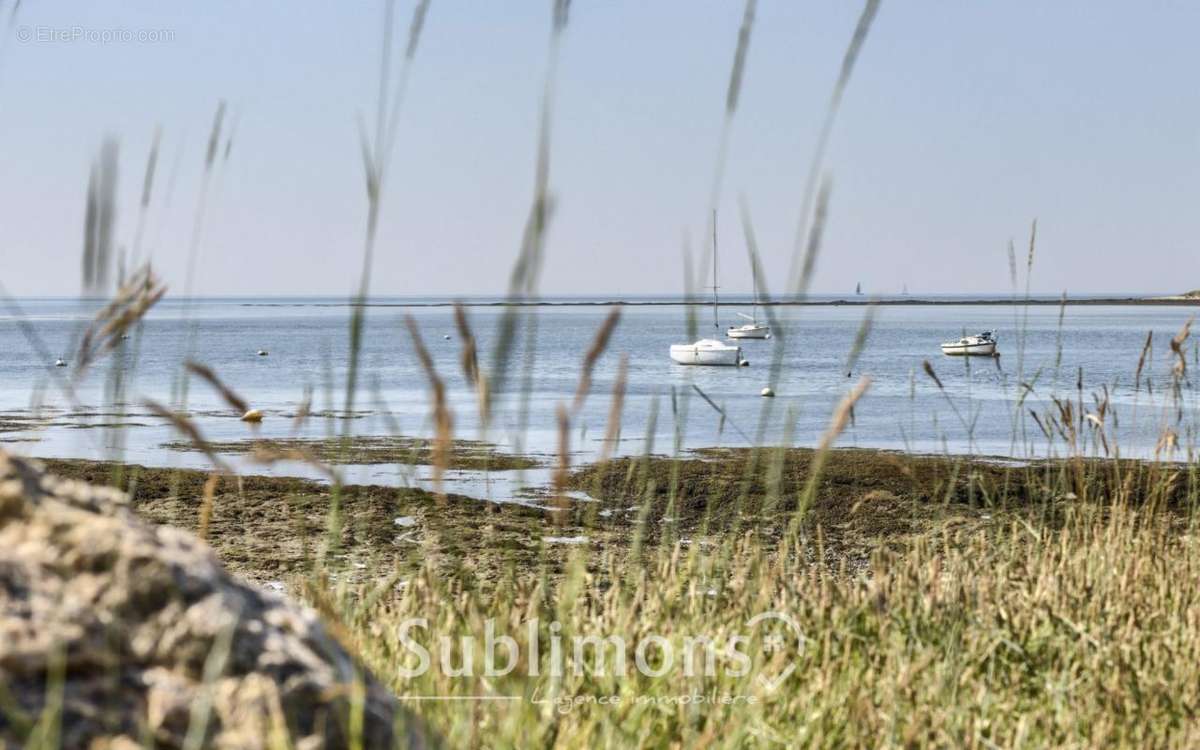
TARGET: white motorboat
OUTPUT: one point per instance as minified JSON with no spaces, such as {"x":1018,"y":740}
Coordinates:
{"x":983,"y":345}
{"x":707,"y":352}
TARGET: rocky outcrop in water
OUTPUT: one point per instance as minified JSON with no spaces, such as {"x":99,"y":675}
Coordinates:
{"x":115,"y":633}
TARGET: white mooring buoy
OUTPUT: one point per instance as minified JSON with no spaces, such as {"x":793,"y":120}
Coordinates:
{"x":767,"y":393}
{"x":262,"y":352}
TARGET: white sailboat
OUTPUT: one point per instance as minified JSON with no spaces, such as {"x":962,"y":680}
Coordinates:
{"x":709,"y":351}
{"x":753,"y":329}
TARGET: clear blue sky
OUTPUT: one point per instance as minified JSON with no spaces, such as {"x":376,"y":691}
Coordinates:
{"x":963,"y":122}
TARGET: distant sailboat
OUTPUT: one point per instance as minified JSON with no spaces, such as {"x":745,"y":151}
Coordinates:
{"x":709,"y":351}
{"x":858,"y":288}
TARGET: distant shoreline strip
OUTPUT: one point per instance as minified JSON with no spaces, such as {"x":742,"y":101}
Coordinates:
{"x":1118,"y":301}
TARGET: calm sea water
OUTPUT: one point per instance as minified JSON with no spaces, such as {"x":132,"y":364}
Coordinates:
{"x":307,"y":341}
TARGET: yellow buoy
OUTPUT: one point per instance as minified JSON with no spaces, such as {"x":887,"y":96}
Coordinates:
{"x":254,"y":415}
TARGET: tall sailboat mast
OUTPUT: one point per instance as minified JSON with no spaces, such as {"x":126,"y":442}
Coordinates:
{"x":754,"y":277}
{"x":716,"y":323}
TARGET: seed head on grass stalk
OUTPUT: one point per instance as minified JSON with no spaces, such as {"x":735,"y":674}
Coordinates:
{"x":147,"y":193}
{"x":562,"y":471}
{"x":469,"y":358}
{"x":756,"y":268}
{"x":612,"y":434}
{"x":732,"y":95}
{"x":523,"y":281}
{"x":131,"y":303}
{"x":810,"y":226}
{"x":1177,"y":342}
{"x":778,"y":330}
{"x":690,"y":285}
{"x":376,"y":153}
{"x":193,"y":253}
{"x":205,"y":373}
{"x":599,"y":344}
{"x":100,"y":220}
{"x":207,"y":502}
{"x":210,"y":155}
{"x":946,"y":395}
{"x":228,"y":149}
{"x":442,"y":418}
{"x":188,"y":429}
{"x":1023,"y":328}
{"x":812,"y":250}
{"x":849,"y":59}
{"x":864,"y":332}
{"x":837,"y":424}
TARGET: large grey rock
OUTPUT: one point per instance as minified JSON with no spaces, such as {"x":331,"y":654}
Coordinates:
{"x":147,"y":639}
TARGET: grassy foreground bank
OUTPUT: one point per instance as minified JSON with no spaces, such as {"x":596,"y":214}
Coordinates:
{"x":916,"y":601}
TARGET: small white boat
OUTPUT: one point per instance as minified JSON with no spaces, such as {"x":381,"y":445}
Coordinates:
{"x":752,"y":330}
{"x":983,"y":345}
{"x":707,"y":352}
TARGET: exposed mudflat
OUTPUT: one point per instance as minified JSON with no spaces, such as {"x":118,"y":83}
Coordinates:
{"x":273,"y":529}
{"x":374,"y":449}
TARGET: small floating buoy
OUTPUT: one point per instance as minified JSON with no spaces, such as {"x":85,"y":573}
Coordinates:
{"x":254,"y":415}
{"x":446,"y":337}
{"x":262,"y":352}
{"x":744,"y":363}
{"x":60,"y":363}
{"x":767,"y":393}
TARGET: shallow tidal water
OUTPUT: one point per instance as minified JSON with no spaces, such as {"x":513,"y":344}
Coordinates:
{"x":981,"y":406}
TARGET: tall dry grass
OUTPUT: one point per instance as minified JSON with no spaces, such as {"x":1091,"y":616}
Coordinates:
{"x":1072,"y":631}
{"x":1067,"y":622}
